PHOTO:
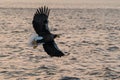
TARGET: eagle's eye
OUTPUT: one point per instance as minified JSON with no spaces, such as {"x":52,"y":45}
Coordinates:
{"x":45,"y":21}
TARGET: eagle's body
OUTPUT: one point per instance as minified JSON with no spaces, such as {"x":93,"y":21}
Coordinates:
{"x":40,"y":25}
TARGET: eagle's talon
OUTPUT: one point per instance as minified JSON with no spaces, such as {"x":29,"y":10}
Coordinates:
{"x":34,"y":44}
{"x":34,"y":47}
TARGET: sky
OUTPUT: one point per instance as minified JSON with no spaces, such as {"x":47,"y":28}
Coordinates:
{"x":61,"y":3}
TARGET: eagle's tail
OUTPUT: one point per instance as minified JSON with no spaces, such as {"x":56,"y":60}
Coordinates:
{"x":31,"y":39}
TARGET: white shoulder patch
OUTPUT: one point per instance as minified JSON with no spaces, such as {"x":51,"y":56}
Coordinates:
{"x":38,"y":38}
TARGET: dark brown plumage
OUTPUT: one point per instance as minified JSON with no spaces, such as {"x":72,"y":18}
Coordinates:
{"x":40,"y":25}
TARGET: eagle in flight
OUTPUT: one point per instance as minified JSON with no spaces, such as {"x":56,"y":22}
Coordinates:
{"x":44,"y":36}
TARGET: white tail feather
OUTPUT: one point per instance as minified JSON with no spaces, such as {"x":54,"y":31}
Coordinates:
{"x":31,"y":39}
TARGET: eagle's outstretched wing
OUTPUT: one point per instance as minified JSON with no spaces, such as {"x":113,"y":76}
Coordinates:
{"x":52,"y":49}
{"x":40,"y":21}
{"x":40,"y":25}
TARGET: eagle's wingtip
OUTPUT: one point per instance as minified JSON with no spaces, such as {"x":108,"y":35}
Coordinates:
{"x":43,"y":10}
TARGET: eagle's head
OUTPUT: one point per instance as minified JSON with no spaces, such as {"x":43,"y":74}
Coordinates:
{"x":56,"y":36}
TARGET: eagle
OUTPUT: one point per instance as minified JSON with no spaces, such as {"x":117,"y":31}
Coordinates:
{"x":44,"y":36}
